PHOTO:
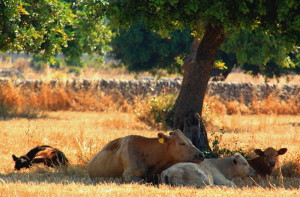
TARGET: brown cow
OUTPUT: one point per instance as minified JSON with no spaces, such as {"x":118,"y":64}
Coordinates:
{"x":137,"y":158}
{"x":267,"y":161}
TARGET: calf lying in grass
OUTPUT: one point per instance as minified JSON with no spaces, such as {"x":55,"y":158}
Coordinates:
{"x":218,"y":171}
{"x":47,"y":155}
{"x":267,"y":163}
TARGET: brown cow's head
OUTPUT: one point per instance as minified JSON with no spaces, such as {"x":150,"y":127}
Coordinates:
{"x":270,"y":155}
{"x":241,"y":166}
{"x":180,"y":148}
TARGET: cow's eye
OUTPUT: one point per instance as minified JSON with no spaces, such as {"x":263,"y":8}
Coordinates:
{"x":182,"y":144}
{"x":244,"y":164}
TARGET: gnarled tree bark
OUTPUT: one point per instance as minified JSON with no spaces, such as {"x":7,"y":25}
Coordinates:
{"x":195,"y":79}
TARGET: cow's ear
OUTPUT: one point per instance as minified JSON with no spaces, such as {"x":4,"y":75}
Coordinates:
{"x":177,"y":131}
{"x":282,"y":151}
{"x":236,"y":158}
{"x":259,"y":152}
{"x":15,"y":158}
{"x":162,"y":138}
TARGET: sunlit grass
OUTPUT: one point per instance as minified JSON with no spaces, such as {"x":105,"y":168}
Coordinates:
{"x":82,"y":134}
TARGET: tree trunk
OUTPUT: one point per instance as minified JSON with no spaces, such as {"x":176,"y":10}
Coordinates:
{"x":195,"y":79}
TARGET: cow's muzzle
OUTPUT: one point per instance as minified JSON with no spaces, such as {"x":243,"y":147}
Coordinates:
{"x":199,"y":157}
{"x":272,"y":163}
{"x":252,"y":172}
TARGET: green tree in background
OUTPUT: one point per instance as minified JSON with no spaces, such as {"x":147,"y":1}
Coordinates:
{"x":211,"y":21}
{"x":90,"y":33}
{"x":34,"y":26}
{"x":48,"y":27}
{"x":258,"y":53}
{"x":141,"y":50}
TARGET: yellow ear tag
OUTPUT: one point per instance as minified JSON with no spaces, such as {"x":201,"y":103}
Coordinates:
{"x":161,"y":140}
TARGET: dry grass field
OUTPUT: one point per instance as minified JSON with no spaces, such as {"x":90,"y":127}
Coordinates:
{"x":80,"y":129}
{"x":81,"y":134}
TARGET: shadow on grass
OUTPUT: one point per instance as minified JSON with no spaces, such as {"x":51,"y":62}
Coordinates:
{"x":31,"y":115}
{"x":78,"y":174}
{"x":63,"y":175}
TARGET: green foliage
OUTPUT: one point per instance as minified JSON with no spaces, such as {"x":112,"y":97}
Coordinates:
{"x":141,"y":50}
{"x":270,"y":70}
{"x":258,"y":53}
{"x":257,"y":48}
{"x":75,"y":70}
{"x":161,"y":106}
{"x":50,"y":26}
{"x":90,"y":33}
{"x":39,"y":63}
{"x":92,"y":61}
{"x":217,"y":151}
{"x":34,"y":26}
{"x":280,"y":18}
{"x":57,"y":63}
{"x":155,"y":109}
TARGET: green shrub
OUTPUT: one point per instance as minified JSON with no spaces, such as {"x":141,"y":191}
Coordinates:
{"x":158,"y":111}
{"x":57,"y":63}
{"x":38,"y":63}
{"x":217,"y":151}
{"x":75,"y":70}
{"x":155,"y":109}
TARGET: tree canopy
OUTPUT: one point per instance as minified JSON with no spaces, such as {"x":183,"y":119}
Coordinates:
{"x":52,"y":26}
{"x":259,"y":53}
{"x":278,"y":18}
{"x":34,"y":26}
{"x":142,"y":50}
{"x":260,"y":34}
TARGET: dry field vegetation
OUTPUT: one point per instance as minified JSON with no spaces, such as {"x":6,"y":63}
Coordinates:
{"x":80,"y":124}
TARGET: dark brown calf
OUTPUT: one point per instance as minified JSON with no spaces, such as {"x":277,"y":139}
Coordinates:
{"x":47,"y":155}
{"x":267,"y":161}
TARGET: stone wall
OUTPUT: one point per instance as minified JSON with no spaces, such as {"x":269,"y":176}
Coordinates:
{"x":129,"y":89}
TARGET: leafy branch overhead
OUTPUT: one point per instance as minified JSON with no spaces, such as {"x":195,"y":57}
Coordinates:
{"x":51,"y":26}
{"x":280,"y":18}
{"x":260,"y":34}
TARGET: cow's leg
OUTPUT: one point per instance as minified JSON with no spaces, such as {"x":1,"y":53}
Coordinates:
{"x":133,"y":174}
{"x":134,"y":168}
{"x":221,"y":180}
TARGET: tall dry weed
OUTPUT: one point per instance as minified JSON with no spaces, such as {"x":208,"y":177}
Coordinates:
{"x":273,"y":105}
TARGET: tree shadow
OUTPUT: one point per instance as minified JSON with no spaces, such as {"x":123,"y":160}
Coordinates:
{"x":62,"y":175}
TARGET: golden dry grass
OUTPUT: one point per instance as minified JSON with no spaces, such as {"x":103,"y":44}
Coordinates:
{"x":81,"y":134}
{"x":238,"y":76}
{"x":31,"y":102}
